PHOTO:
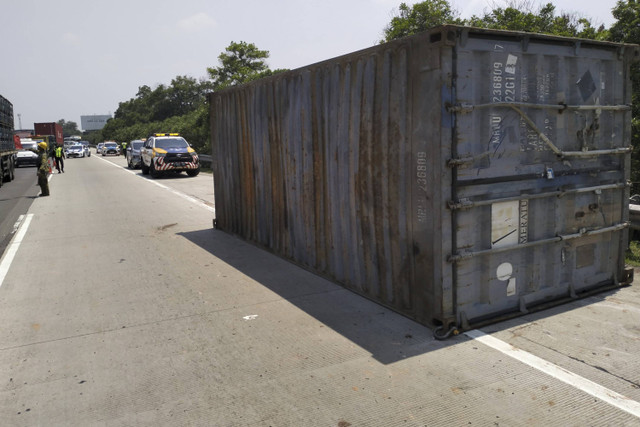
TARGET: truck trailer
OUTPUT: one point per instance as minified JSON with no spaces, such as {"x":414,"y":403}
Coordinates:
{"x":7,"y":142}
{"x":52,"y":130}
{"x":459,"y":176}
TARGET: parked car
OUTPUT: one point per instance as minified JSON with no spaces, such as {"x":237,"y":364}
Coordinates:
{"x":133,"y":153}
{"x":110,"y":148}
{"x":87,"y":149}
{"x":76,"y":150}
{"x":27,"y":156}
{"x":99,"y":147}
{"x":168,"y":152}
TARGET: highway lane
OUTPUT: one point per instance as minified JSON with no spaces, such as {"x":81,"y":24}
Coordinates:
{"x":131,"y":310}
{"x":15,"y":199}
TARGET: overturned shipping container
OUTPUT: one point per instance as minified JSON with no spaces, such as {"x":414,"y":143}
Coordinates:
{"x":458,"y":176}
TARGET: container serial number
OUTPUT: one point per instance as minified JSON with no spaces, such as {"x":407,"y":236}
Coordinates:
{"x":503,"y":87}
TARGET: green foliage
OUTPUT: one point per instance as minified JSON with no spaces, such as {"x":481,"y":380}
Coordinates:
{"x":176,"y":108}
{"x":632,"y":256}
{"x":69,"y":128}
{"x":515,"y":16}
{"x":520,"y":17}
{"x":626,"y":29}
{"x":94,"y":136}
{"x":182,"y":106}
{"x":239,"y":63}
{"x":185,"y":95}
{"x":420,"y":17}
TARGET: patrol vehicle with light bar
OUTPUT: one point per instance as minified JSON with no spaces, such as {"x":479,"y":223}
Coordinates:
{"x":168,"y":152}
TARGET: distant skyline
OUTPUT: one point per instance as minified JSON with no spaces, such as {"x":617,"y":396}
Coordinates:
{"x":69,"y":58}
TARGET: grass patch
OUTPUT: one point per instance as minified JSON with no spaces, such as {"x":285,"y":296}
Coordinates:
{"x":632,"y":256}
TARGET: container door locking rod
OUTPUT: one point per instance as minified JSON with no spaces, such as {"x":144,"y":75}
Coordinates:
{"x":516,"y":106}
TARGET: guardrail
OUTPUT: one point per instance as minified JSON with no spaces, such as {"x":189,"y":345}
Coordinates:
{"x":205,"y":158}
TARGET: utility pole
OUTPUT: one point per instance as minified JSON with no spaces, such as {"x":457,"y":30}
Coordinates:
{"x":20,"y":120}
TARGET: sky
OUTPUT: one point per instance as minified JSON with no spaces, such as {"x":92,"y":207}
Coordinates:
{"x":66,"y":58}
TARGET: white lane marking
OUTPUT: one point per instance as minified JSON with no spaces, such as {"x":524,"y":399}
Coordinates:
{"x":17,"y":224}
{"x":176,"y":192}
{"x":12,"y":249}
{"x":583,"y":384}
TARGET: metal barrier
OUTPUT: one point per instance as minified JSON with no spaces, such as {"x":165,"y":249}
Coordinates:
{"x":205,"y":159}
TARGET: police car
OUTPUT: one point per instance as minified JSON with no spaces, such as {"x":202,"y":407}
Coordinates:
{"x":165,"y":152}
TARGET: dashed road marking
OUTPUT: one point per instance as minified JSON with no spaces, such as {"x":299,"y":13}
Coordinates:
{"x":596,"y":390}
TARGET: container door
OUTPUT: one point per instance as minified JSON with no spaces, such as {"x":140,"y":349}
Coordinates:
{"x":540,"y":162}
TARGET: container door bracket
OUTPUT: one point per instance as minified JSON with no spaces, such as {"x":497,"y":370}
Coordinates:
{"x":523,"y":305}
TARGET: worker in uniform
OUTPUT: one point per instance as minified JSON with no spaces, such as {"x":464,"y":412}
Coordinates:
{"x":43,"y":169}
{"x":59,"y":156}
{"x":124,"y":149}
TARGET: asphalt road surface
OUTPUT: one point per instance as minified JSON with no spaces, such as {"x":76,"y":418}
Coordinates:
{"x":121,"y":306}
{"x":15,"y":199}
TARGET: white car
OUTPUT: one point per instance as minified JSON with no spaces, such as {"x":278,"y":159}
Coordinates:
{"x":75,"y":150}
{"x":26,"y":156}
{"x":87,"y":150}
{"x":110,"y":148}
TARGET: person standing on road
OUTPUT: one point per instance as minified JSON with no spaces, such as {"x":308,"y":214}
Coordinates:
{"x":59,"y":158}
{"x":43,"y":169}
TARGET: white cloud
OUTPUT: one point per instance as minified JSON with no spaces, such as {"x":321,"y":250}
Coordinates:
{"x":198,"y":22}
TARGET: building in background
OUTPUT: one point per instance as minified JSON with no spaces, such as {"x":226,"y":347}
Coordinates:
{"x":93,"y":122}
{"x":24,"y":133}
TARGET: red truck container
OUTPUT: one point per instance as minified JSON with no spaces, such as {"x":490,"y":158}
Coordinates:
{"x":50,"y":129}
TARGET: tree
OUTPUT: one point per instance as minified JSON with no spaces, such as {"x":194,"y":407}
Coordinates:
{"x":69,"y":128}
{"x":626,"y":29}
{"x":186,"y":94}
{"x":420,"y":17}
{"x":515,"y":15}
{"x":239,"y":63}
{"x":182,"y":106}
{"x":520,"y":16}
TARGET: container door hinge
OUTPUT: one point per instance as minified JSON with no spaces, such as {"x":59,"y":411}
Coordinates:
{"x":462,"y":204}
{"x":461,"y":162}
{"x":460,"y":108}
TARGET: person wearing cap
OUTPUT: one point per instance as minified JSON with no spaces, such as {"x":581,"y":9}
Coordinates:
{"x":43,"y":169}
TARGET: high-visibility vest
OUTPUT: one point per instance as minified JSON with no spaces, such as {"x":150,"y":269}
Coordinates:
{"x":59,"y":152}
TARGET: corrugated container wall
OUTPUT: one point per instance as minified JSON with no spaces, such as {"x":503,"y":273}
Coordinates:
{"x":455,"y":176}
{"x":51,"y":128}
{"x":6,"y":125}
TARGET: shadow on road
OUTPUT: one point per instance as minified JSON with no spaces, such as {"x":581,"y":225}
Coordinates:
{"x":388,"y":336}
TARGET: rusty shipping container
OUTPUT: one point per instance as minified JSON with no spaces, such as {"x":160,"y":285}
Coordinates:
{"x":458,"y":176}
{"x":53,"y":129}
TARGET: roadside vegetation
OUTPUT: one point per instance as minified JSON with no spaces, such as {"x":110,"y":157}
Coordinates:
{"x":181,"y":106}
{"x":632,"y":257}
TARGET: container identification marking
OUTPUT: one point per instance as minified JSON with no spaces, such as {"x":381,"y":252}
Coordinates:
{"x":421,"y":180}
{"x":503,"y":85}
{"x":524,"y":221}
